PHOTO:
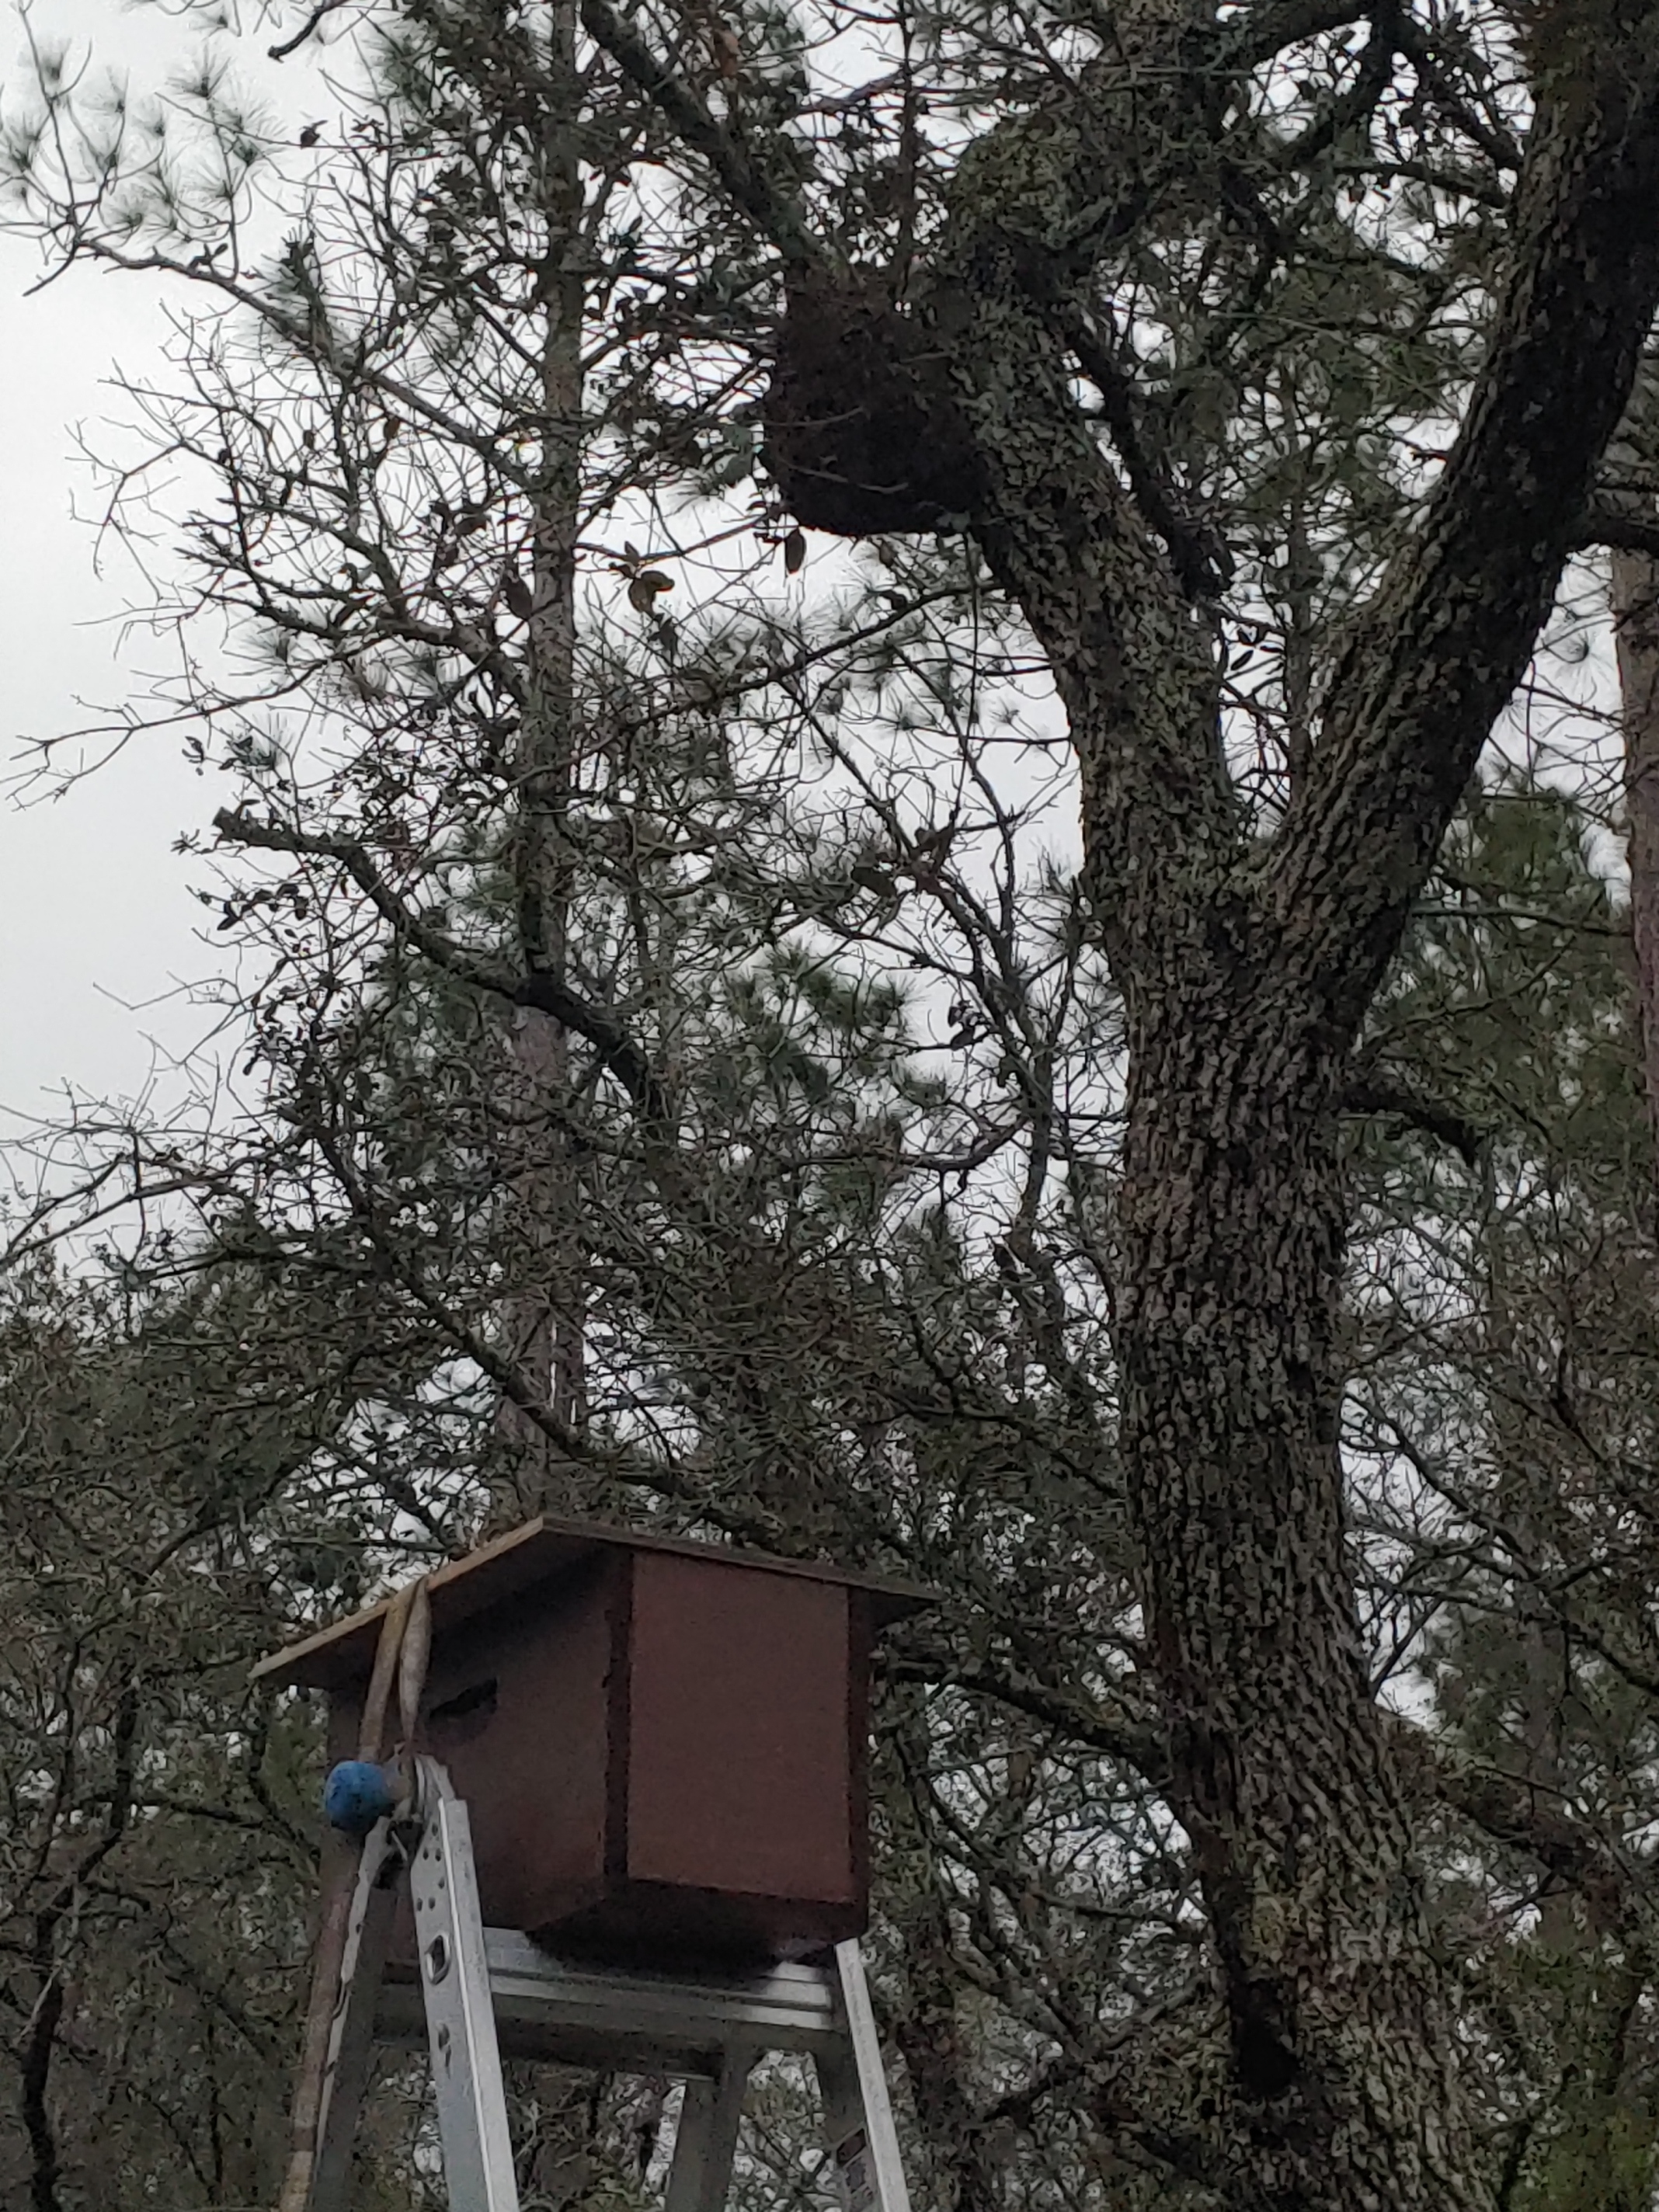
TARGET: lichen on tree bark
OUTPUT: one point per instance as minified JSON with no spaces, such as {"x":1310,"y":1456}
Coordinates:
{"x":1247,"y":970}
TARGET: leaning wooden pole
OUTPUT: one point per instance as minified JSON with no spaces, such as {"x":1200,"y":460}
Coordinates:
{"x":400,"y":1659}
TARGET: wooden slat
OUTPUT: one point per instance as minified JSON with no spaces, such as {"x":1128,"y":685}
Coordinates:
{"x":538,"y":1551}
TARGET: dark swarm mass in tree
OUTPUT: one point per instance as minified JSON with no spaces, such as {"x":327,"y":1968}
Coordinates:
{"x":863,"y":432}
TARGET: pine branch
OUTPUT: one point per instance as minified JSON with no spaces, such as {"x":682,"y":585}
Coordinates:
{"x":542,"y":989}
{"x":312,"y":23}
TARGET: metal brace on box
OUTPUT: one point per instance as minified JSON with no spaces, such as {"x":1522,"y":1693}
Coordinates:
{"x":484,"y":1993}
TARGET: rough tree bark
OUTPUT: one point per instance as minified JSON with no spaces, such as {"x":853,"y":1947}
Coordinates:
{"x":1247,"y":968}
{"x":548,"y":1338}
{"x":1247,"y":981}
{"x":1636,"y":628}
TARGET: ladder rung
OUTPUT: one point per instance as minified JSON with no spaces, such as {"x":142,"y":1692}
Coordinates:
{"x":546,"y":2009}
{"x":481,"y":1992}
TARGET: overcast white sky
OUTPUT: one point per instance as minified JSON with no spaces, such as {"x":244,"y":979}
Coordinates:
{"x":94,"y":919}
{"x":99,"y":939}
{"x":98,"y":932}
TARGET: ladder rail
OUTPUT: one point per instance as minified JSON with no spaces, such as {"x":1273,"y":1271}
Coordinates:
{"x":466,"y":2064}
{"x":630,"y":2019}
{"x":864,"y":2145}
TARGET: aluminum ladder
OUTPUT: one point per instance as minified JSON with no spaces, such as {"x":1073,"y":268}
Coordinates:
{"x":484,"y":1993}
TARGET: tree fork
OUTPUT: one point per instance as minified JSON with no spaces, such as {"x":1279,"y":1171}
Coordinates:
{"x":1247,"y":971}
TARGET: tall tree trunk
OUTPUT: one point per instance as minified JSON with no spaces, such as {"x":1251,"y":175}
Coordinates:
{"x":546,"y":1318}
{"x":1343,"y":2094}
{"x":1344,"y":2091}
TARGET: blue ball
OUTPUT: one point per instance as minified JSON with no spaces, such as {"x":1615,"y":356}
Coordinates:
{"x":356,"y":1794}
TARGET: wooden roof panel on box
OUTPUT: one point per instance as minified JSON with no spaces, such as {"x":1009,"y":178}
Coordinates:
{"x":540,"y":1551}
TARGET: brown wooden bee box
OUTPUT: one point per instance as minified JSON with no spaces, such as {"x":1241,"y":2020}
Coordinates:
{"x":662,"y":1745}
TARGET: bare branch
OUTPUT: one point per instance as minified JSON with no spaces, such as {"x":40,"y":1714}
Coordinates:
{"x":1396,"y":1101}
{"x":1619,"y":533}
{"x":549,"y":994}
{"x":762,"y":199}
{"x":1425,"y":676}
{"x":1200,"y":559}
